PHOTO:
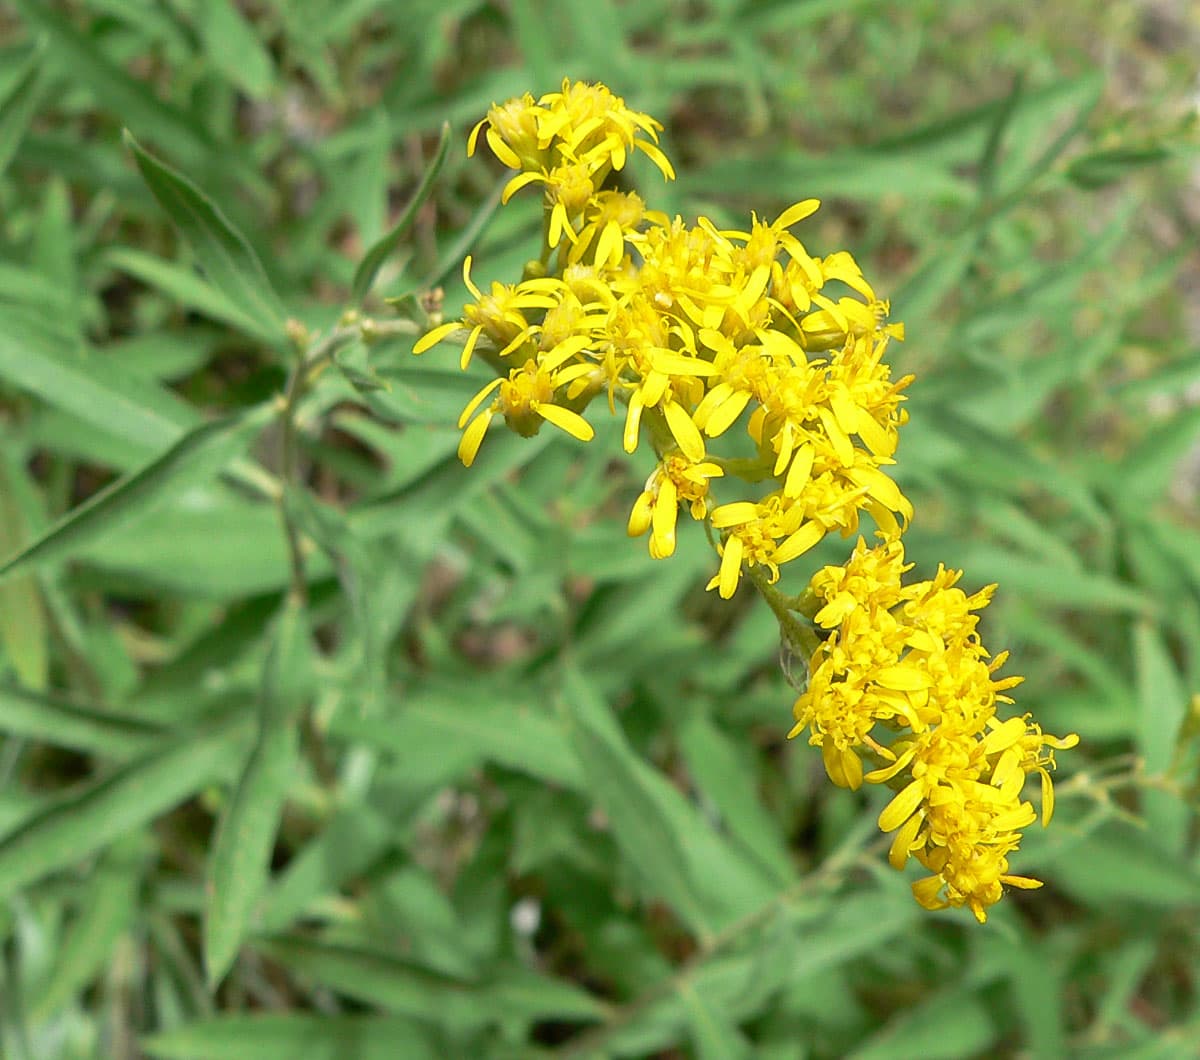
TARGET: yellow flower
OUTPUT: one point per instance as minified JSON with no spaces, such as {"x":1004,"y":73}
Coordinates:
{"x":582,"y":126}
{"x":594,"y":125}
{"x":766,"y":533}
{"x":512,"y":134}
{"x":910,"y":657}
{"x":525,"y":399}
{"x":675,"y":480}
{"x":500,"y":315}
{"x":610,"y":218}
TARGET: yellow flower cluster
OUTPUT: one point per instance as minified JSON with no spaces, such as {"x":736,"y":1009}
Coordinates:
{"x":693,"y":328}
{"x":907,"y":661}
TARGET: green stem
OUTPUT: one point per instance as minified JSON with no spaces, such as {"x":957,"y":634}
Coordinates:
{"x":798,"y":635}
{"x":303,"y":372}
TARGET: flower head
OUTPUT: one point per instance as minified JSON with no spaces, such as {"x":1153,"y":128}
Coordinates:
{"x":908,"y":658}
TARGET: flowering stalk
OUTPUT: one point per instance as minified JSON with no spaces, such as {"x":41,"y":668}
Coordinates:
{"x":693,"y":329}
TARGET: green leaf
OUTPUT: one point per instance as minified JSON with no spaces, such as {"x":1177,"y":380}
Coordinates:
{"x":56,"y":721}
{"x":1053,"y":583}
{"x":195,"y":458}
{"x":18,"y":105}
{"x":233,"y":47}
{"x":945,"y":1027}
{"x":724,"y":776}
{"x":1163,"y":706}
{"x":1096,"y":169}
{"x":404,"y":987}
{"x":364,"y":275}
{"x":240,"y":858}
{"x":1162,"y":697}
{"x":108,"y":907}
{"x":623,"y":787}
{"x":43,"y":359}
{"x":1093,"y":866}
{"x":715,"y":1037}
{"x":239,"y":862}
{"x":352,"y":839}
{"x":1147,"y":471}
{"x":500,"y":726}
{"x":22,"y":614}
{"x":227,"y":258}
{"x":287,"y":1036}
{"x":184,"y":548}
{"x":83,"y":62}
{"x":73,"y":826}
{"x":1037,"y":986}
{"x":184,"y":286}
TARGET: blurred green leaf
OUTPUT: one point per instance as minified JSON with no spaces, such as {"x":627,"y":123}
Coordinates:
{"x":195,"y":458}
{"x":184,"y":547}
{"x":403,"y":987}
{"x":351,"y":841}
{"x":239,"y":862}
{"x":108,"y":908}
{"x":501,"y":727}
{"x":241,"y":850}
{"x":285,"y":1036}
{"x":1163,"y":707}
{"x":1094,"y":867}
{"x":56,"y":721}
{"x":18,"y":104}
{"x":77,"y":824}
{"x":23,"y":631}
{"x":182,"y":284}
{"x":364,"y":275}
{"x":82,"y":60}
{"x":39,"y":356}
{"x":228,"y":260}
{"x":714,"y":1036}
{"x":723,"y":776}
{"x":620,"y":784}
{"x":945,"y":1027}
{"x":233,"y":47}
{"x":1098,"y":169}
{"x":1163,"y":701}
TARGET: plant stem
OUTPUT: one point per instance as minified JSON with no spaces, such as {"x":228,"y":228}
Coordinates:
{"x":797,"y":634}
{"x":305,"y":369}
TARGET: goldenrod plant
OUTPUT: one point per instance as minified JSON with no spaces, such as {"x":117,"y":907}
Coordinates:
{"x":690,"y":329}
{"x":514,"y":517}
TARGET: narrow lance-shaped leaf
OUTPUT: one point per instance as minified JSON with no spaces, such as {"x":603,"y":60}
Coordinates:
{"x":56,"y":721}
{"x":195,"y":458}
{"x":39,"y":356}
{"x":364,"y":275}
{"x":617,"y":779}
{"x":286,"y":1035}
{"x":109,"y":903}
{"x":715,"y":1036}
{"x":80,"y":823}
{"x":241,"y":852}
{"x":187,"y":288}
{"x":22,"y":613}
{"x":17,"y":108}
{"x":227,"y":258}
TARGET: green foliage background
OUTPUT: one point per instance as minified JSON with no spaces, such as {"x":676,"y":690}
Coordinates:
{"x":502,"y":785}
